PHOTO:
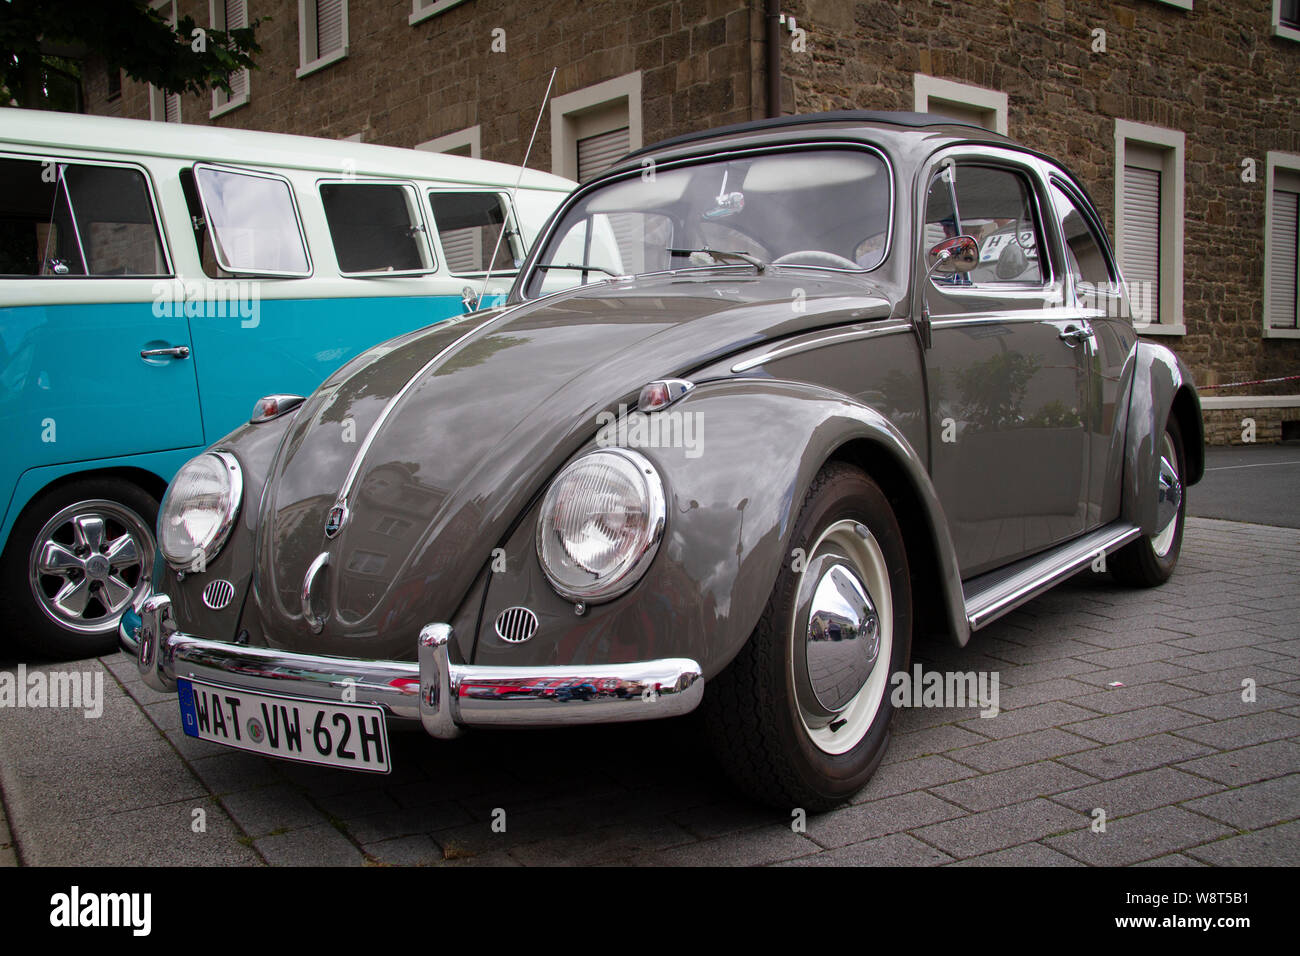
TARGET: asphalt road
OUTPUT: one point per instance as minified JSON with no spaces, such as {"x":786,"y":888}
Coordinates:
{"x":1255,"y":483}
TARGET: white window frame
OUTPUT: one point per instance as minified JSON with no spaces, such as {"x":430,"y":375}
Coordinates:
{"x":1171,"y":144}
{"x":1280,"y":29}
{"x":421,"y":10}
{"x":219,"y":108}
{"x":925,"y":87}
{"x":306,"y":40}
{"x":471,"y":136}
{"x":568,"y":112}
{"x":157,"y":97}
{"x":1180,"y":4}
{"x":1275,"y":161}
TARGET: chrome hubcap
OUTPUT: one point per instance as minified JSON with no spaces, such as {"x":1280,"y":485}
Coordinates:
{"x":1169,"y":500}
{"x":88,"y":563}
{"x":843,"y":637}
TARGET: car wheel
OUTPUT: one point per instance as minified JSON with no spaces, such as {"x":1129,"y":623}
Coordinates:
{"x":1150,"y":560}
{"x":801,"y":717}
{"x":76,"y":559}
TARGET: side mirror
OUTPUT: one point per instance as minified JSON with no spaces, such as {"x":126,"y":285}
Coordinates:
{"x":958,"y":254}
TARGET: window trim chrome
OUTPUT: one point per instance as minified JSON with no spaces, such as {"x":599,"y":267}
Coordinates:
{"x":420,"y":213}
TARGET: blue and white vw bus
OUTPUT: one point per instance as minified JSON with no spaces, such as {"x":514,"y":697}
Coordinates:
{"x":156,"y":280}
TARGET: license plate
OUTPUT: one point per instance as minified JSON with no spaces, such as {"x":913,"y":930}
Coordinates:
{"x":354,"y":736}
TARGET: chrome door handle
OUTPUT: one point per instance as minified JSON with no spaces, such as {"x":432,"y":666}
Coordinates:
{"x":176,"y":351}
{"x":1072,"y":335}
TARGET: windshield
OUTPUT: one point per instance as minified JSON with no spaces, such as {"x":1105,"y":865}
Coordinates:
{"x":822,"y":207}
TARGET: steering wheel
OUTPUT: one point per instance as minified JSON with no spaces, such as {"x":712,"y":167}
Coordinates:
{"x":815,"y":257}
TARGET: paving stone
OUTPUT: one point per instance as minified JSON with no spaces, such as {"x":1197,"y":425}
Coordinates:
{"x":1027,"y":695}
{"x":1028,"y":854}
{"x":1222,"y":706}
{"x":1023,"y":720}
{"x":1132,"y":756}
{"x":1022,"y":749}
{"x":937,"y":740}
{"x":1132,"y":724}
{"x":999,"y":829}
{"x":878,"y":818}
{"x":272,"y":809}
{"x":1241,"y":731}
{"x":751,"y":848}
{"x":1117,"y":700}
{"x":1143,"y":836}
{"x":1254,"y":805}
{"x":405,"y":821}
{"x":897,"y":849}
{"x":1248,"y":765}
{"x":1173,"y":859}
{"x":320,"y":845}
{"x":1273,"y":846}
{"x":909,"y":775}
{"x":417,"y":850}
{"x":991,"y":790}
{"x":1137,"y":673}
{"x":1147,"y":790}
{"x":605,"y":845}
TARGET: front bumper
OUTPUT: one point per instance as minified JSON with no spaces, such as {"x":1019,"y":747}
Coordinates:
{"x":443,"y":696}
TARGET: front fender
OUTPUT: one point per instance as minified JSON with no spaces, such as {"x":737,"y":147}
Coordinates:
{"x":254,"y":446}
{"x":1162,"y":386}
{"x":732,"y":503}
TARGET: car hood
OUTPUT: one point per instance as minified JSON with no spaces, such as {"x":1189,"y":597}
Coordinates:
{"x":437,"y":441}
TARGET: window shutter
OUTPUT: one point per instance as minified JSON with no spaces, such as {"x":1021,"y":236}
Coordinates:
{"x":1142,"y":235}
{"x":172,"y":107}
{"x":461,"y":247}
{"x":237,"y":19}
{"x":597,"y":153}
{"x":1282,"y":261}
{"x":329,"y":26}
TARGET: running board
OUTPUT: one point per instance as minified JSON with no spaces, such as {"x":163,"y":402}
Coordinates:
{"x":989,"y":596}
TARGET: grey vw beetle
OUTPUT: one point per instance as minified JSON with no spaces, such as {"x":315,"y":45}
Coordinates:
{"x":765,"y":403}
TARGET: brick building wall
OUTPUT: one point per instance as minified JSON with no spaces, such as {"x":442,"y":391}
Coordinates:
{"x":1216,"y":73}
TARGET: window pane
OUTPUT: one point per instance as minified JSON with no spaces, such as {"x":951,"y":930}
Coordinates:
{"x":993,"y":206}
{"x":1083,"y":250}
{"x":375,"y":227}
{"x":469,"y":225}
{"x":57,"y":219}
{"x":253,"y":222}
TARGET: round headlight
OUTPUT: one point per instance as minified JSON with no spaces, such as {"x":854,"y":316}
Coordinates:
{"x":600,"y":524}
{"x":199,"y":510}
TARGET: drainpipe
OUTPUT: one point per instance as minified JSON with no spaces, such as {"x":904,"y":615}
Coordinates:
{"x":773,"y":58}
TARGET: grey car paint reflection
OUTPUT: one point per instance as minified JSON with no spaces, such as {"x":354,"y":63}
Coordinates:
{"x":1053,"y":441}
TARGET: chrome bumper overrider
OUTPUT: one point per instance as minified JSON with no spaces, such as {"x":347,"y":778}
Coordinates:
{"x":442,"y":695}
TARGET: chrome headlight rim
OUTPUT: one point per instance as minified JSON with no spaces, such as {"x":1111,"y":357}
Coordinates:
{"x":631,"y":572}
{"x":217,"y":538}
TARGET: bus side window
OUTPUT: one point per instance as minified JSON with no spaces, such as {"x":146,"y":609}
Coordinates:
{"x":202,"y":240}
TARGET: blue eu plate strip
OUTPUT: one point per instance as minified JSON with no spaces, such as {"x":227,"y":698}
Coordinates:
{"x":185,"y":692}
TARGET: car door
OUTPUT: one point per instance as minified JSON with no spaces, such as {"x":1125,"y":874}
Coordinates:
{"x":1008,"y":370}
{"x":1093,"y":294}
{"x":94,"y":361}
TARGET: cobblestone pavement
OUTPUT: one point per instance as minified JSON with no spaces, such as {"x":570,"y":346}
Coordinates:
{"x":1125,"y":702}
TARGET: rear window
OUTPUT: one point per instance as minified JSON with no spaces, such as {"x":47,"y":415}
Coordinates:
{"x":76,"y":219}
{"x":471,"y":227}
{"x":253,"y":222}
{"x":376,"y":228}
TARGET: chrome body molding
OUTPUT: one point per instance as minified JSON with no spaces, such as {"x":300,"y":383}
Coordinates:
{"x":821,"y":342}
{"x":992,"y":595}
{"x":442,"y":695}
{"x":317,"y":624}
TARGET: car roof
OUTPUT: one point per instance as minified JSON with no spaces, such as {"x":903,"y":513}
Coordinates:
{"x":36,"y":130}
{"x":875,"y":120}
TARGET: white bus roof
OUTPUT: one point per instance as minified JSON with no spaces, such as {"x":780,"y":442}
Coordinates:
{"x":35,"y":130}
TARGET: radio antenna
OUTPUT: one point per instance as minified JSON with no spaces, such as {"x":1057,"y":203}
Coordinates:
{"x":514,"y":192}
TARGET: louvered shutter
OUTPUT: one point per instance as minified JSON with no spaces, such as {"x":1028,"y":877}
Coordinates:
{"x":172,"y":108}
{"x":597,"y":153}
{"x":237,"y":19}
{"x":461,"y":247}
{"x":329,"y":27}
{"x":1141,"y":225}
{"x":1282,"y":260}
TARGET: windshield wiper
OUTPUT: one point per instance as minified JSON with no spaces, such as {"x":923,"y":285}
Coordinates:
{"x":574,"y":265}
{"x":722,"y":256}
